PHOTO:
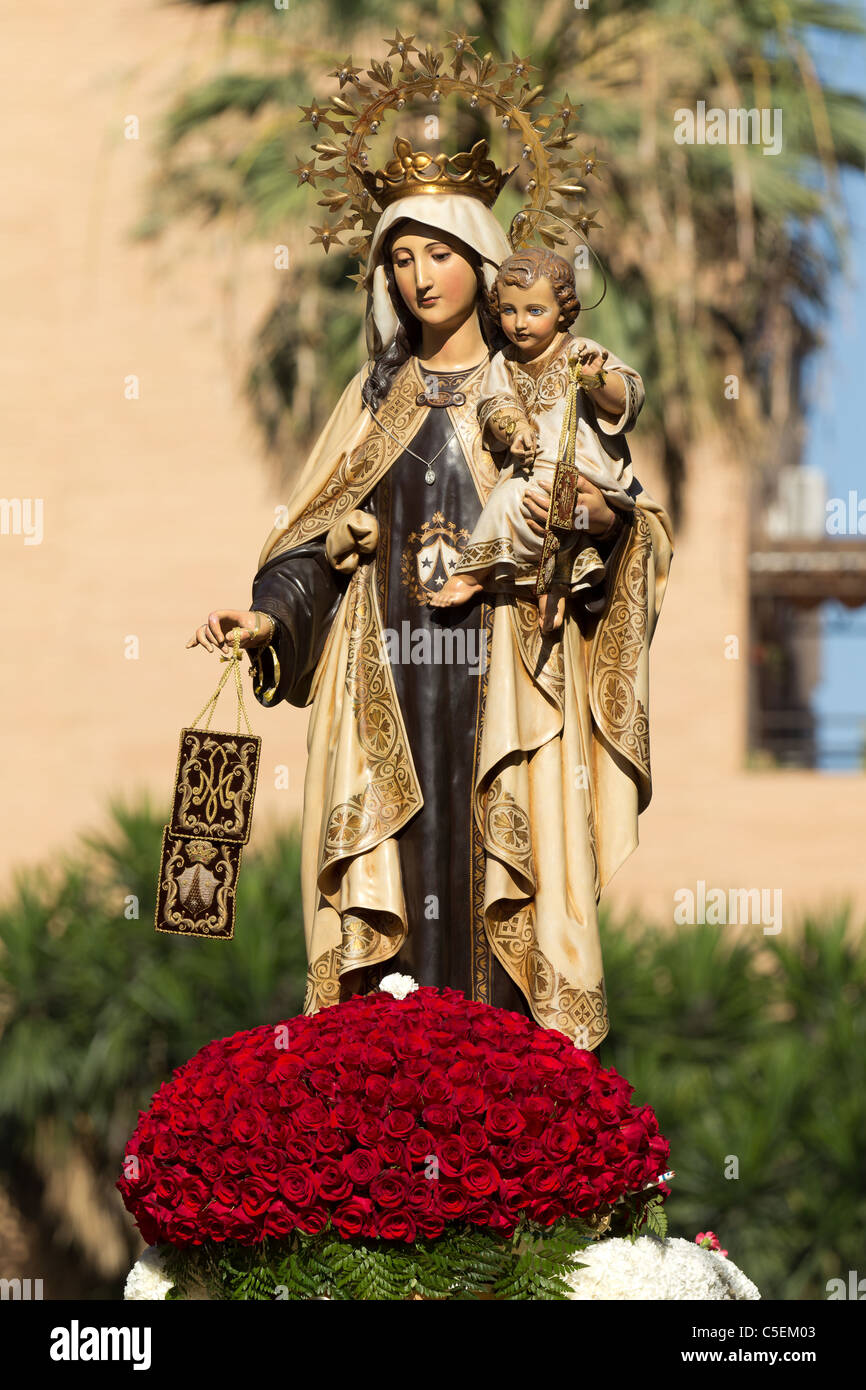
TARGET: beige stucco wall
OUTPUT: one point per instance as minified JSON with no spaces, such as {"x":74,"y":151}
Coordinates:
{"x":155,"y":509}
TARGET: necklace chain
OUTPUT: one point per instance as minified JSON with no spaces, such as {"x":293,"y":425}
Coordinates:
{"x":430,"y":475}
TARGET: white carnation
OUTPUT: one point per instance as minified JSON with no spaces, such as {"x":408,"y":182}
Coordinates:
{"x":147,"y":1281}
{"x":651,"y":1269}
{"x":398,"y":985}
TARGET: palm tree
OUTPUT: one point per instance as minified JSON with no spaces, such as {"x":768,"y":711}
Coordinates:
{"x":718,"y":255}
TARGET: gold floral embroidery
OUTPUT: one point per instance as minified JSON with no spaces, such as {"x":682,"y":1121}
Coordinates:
{"x":392,"y":792}
{"x":506,"y":830}
{"x":619,"y":642}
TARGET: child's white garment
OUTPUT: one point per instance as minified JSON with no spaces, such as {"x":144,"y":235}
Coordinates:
{"x":502,"y":547}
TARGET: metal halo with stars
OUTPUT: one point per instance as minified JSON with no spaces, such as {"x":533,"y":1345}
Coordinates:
{"x":541,"y":136}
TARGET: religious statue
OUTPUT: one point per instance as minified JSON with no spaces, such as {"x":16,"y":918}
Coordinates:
{"x":535,"y":300}
{"x":472,"y":782}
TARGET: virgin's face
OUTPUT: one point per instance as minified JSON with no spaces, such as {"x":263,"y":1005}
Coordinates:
{"x":437,"y":283}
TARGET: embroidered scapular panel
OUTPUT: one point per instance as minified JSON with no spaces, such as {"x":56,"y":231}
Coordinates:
{"x":197,"y":879}
{"x":215,"y":784}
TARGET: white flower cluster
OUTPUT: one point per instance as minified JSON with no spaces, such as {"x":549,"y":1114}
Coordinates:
{"x":146,"y":1281}
{"x":398,"y":985}
{"x":652,"y":1269}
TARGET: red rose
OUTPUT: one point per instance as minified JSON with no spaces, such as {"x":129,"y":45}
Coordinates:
{"x":437,"y":1088}
{"x":351,"y":1216}
{"x":453,"y":1201}
{"x":470,"y":1100}
{"x":376,"y":1089}
{"x":404,"y":1092}
{"x":452,"y":1156}
{"x":299,"y":1151}
{"x":440,"y":1117}
{"x":256,"y":1197}
{"x":538,"y":1112}
{"x":429,"y":1225}
{"x":474,"y":1137}
{"x":279,"y":1221}
{"x":333,"y":1183}
{"x":313,"y":1220}
{"x":420,"y":1146}
{"x":560,"y":1140}
{"x":296,"y":1185}
{"x":227,"y":1192}
{"x":389,"y":1190}
{"x":391,"y":1152}
{"x":310,"y":1114}
{"x":422,"y":1196}
{"x":504,"y":1120}
{"x":396,"y":1225}
{"x":331,"y":1142}
{"x":399,"y":1124}
{"x":481,"y":1178}
{"x":248,"y":1126}
{"x":164,"y":1145}
{"x":361,"y":1166}
{"x":543,"y":1180}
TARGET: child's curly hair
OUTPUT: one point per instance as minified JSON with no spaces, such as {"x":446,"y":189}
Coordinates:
{"x":525,"y":267}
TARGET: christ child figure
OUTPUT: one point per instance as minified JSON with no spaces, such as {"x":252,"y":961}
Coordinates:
{"x":522,"y":410}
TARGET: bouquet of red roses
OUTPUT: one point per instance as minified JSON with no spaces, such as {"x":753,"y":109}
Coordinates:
{"x":389,"y":1119}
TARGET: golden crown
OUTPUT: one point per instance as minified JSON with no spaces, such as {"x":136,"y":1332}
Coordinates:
{"x":557,"y":170}
{"x":417,"y":171}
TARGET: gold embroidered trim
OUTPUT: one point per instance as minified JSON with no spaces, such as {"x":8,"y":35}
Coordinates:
{"x":619,"y":642}
{"x":483,"y":554}
{"x":323,"y":982}
{"x":579,"y":1013}
{"x":488,"y":405}
{"x":357,"y":473}
{"x":482,"y":953}
{"x":392,"y":793}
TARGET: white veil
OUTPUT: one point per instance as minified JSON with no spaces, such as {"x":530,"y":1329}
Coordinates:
{"x":460,"y":214}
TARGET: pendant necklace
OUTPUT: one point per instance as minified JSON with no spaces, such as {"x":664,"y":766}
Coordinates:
{"x":423,"y":397}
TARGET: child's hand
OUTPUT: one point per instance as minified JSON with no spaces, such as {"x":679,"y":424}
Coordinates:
{"x":591,"y":361}
{"x":524,"y":442}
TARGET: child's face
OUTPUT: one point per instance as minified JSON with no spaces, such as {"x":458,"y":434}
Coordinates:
{"x":530,"y":317}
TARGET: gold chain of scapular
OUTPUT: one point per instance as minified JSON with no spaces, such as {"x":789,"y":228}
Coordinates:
{"x":233,"y":664}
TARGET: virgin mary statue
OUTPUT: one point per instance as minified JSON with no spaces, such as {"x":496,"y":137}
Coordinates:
{"x":471,"y":784}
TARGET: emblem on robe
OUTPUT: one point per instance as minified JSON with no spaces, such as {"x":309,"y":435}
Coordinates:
{"x":431,"y":556}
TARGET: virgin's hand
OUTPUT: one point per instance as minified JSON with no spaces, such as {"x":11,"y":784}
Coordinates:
{"x":536,"y":502}
{"x":598,"y":514}
{"x":217,"y":634}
